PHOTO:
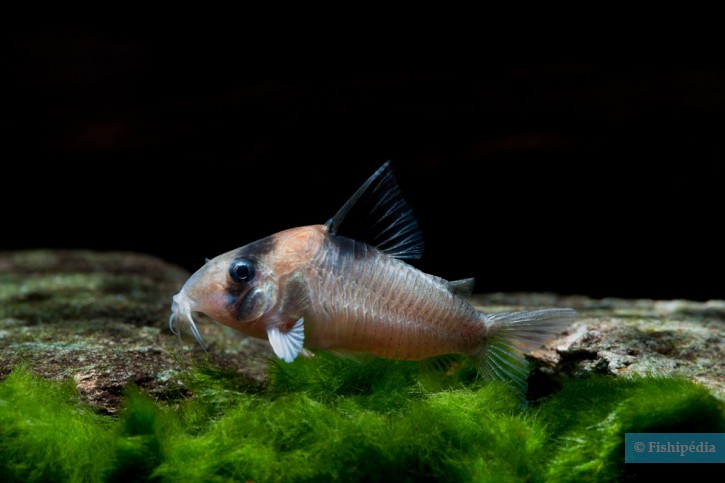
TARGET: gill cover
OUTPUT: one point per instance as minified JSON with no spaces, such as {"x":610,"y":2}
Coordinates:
{"x":249,"y":293}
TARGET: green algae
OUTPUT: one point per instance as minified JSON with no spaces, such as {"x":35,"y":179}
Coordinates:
{"x":46,"y":435}
{"x":591,"y":416}
{"x":142,"y":435}
{"x":356,"y":421}
{"x":330,"y":419}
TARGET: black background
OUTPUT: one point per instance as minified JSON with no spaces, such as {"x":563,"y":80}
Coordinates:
{"x":601,"y":180}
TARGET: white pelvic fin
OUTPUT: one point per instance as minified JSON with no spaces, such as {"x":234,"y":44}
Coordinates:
{"x":287,"y":345}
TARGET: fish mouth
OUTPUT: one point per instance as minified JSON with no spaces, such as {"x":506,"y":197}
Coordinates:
{"x":182,"y":307}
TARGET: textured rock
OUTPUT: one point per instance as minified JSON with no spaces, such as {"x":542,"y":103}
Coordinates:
{"x":631,"y":337}
{"x":102,"y":320}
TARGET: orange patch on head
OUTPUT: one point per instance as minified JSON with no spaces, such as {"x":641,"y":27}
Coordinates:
{"x":298,"y":245}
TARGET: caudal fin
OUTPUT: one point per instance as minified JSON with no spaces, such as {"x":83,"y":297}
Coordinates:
{"x":513,"y":334}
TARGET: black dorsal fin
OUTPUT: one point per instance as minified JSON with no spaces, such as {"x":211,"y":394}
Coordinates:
{"x":378,"y":215}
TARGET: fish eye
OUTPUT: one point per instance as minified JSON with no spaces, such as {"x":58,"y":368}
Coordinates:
{"x":242,"y":270}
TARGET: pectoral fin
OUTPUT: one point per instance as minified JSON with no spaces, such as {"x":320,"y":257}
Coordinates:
{"x":287,"y":345}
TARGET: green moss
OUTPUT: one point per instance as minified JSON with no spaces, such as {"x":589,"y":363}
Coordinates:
{"x":45,"y":435}
{"x":590,"y":417}
{"x":374,"y":383}
{"x":325,"y":418}
{"x":142,"y":435}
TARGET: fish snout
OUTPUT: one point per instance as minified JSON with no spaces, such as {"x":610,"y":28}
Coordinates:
{"x":182,"y":307}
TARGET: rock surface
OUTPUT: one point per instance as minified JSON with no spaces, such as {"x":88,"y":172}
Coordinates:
{"x":101,"y":319}
{"x":630,"y":337}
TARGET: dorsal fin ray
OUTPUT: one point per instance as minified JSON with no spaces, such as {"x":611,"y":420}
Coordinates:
{"x":378,"y":215}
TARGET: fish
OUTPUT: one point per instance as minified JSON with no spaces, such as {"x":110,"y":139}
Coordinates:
{"x":347,"y":287}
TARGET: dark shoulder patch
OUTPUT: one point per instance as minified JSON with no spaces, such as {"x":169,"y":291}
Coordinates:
{"x":295,"y":297}
{"x":349,"y":249}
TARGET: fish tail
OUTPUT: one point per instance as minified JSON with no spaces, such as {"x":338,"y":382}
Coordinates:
{"x":511,"y":335}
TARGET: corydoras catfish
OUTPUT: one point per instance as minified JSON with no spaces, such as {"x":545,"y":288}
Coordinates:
{"x":350,"y":292}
